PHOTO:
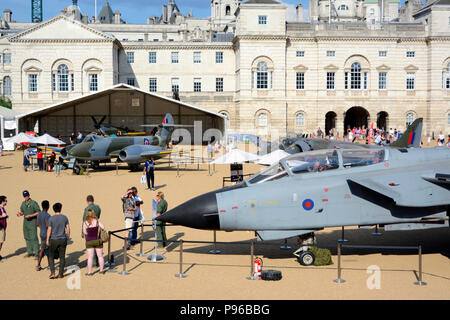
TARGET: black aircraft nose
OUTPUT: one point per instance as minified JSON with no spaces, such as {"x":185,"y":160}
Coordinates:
{"x":200,"y":212}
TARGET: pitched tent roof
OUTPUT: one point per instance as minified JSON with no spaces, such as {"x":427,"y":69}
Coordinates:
{"x":117,"y":87}
{"x":124,"y":106}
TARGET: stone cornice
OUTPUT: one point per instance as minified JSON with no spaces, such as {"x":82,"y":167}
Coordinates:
{"x":62,"y":41}
{"x":331,"y":67}
{"x":300,"y":68}
{"x":179,"y":46}
{"x":383,"y":67}
{"x":411,"y":68}
{"x":375,"y":38}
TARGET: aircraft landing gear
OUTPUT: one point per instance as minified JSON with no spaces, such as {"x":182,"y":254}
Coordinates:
{"x":304,"y":256}
{"x":95,"y":164}
{"x":76,"y":169}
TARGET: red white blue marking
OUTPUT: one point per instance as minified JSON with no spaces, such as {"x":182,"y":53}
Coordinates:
{"x":412,"y":135}
{"x":308,"y":204}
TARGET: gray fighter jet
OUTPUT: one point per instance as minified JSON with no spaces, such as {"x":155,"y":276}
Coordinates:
{"x":400,"y":189}
{"x":411,"y":138}
{"x":130,"y":149}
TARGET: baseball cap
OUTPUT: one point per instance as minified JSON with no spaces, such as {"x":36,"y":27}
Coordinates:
{"x":26,"y":193}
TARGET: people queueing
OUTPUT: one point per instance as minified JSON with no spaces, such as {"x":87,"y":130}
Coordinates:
{"x":42,"y":223}
{"x":3,"y":224}
{"x":58,"y":233}
{"x":94,"y":244}
{"x":97,"y":211}
{"x":160,"y":225}
{"x":129,"y":210}
{"x":29,"y":209}
{"x":137,"y":215}
{"x":149,"y":170}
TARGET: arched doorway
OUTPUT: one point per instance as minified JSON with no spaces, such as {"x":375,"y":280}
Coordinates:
{"x":382,"y":120}
{"x":330,"y":121}
{"x":356,"y":117}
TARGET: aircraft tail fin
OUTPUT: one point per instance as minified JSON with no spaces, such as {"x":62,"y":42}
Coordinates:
{"x":167,"y":128}
{"x":411,"y":137}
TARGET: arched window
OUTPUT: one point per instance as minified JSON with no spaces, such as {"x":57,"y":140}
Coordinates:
{"x":261,"y":76}
{"x":409,"y":118}
{"x":372,"y":11}
{"x":227,"y":10}
{"x":63,"y":78}
{"x":447,"y":77}
{"x":343,"y":7}
{"x":355,"y":76}
{"x":262,"y":120}
{"x":7,"y":86}
{"x":300,"y":119}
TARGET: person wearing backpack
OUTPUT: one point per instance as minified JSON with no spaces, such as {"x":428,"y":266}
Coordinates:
{"x":94,"y":243}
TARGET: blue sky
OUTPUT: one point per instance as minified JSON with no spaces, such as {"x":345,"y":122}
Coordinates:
{"x":133,"y":11}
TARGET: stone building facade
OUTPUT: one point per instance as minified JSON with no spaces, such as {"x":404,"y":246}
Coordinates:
{"x":352,"y":64}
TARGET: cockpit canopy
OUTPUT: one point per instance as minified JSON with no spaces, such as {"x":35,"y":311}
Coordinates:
{"x":319,"y":161}
{"x":91,"y":138}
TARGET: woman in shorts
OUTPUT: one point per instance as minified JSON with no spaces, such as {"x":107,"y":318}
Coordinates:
{"x":94,"y":244}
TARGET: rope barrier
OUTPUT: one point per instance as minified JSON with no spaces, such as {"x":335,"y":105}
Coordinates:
{"x":252,"y":243}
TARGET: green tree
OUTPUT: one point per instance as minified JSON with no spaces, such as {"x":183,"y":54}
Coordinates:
{"x":5,"y":102}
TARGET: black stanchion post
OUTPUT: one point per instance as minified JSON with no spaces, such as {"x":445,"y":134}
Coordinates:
{"x":420,"y":282}
{"x":339,"y":279}
{"x":124,"y":271}
{"x":342,"y":239}
{"x":109,"y":248}
{"x":214,"y":251}
{"x":181,"y":274}
{"x":252,"y":252}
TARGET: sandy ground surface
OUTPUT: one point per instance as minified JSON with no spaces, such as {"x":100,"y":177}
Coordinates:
{"x":209,"y":277}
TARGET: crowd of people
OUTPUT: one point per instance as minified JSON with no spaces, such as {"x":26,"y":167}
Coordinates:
{"x":378,"y":136}
{"x":55,"y":230}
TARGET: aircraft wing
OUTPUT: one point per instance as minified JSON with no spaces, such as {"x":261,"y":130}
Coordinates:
{"x":149,"y":154}
{"x":51,"y":149}
{"x":406,"y":190}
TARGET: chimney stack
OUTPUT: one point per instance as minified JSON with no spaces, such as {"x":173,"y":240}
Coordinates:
{"x":299,"y":12}
{"x":117,"y":17}
{"x":313,"y":10}
{"x":7,"y":15}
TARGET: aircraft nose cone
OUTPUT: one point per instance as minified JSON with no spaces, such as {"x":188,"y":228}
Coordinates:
{"x":200,"y":212}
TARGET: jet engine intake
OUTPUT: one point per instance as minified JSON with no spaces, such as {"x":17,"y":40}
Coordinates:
{"x":134,"y":153}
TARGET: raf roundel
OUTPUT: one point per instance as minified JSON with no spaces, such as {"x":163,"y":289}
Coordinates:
{"x":308,"y":204}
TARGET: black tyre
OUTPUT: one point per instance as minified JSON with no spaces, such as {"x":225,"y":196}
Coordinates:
{"x":272,"y":275}
{"x":76,"y":170}
{"x":306,"y":258}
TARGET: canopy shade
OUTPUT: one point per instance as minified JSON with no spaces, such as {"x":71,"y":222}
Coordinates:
{"x":236,"y":156}
{"x":273,"y":157}
{"x":22,"y":138}
{"x":47,"y":139}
